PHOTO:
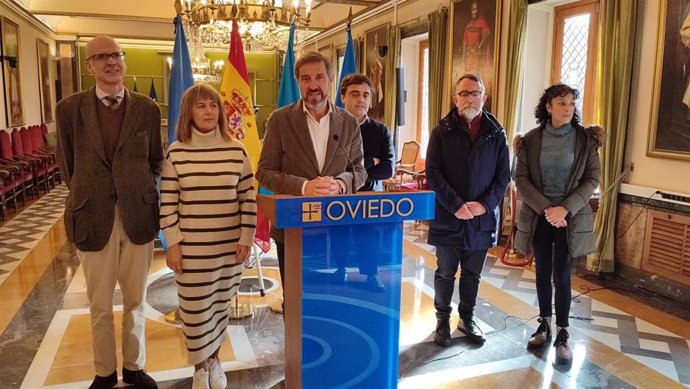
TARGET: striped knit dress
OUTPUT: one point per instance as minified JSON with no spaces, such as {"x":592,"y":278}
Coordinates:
{"x":208,"y":206}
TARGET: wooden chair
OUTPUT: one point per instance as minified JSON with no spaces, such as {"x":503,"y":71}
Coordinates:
{"x":407,"y":162}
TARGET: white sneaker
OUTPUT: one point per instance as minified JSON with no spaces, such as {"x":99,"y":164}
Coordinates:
{"x":216,"y":374}
{"x":200,"y":379}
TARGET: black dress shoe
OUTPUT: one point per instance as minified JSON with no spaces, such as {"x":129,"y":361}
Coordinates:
{"x":442,"y":334}
{"x":470,"y":328}
{"x":104,"y":382}
{"x":374,"y":283}
{"x":139,"y":379}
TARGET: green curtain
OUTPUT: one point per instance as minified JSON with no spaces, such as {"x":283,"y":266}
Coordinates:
{"x":517,"y":28}
{"x":390,"y":92}
{"x":438,"y":35}
{"x":618,"y":19}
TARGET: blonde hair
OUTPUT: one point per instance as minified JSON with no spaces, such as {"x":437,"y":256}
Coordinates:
{"x":195,"y":93}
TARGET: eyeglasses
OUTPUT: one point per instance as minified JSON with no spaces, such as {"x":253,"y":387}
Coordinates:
{"x":104,"y":57}
{"x":474,"y":93}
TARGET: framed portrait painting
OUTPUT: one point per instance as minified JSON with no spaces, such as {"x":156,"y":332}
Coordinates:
{"x":11,"y":73}
{"x":669,"y":127}
{"x":375,"y":52}
{"x":43,"y":51}
{"x":475,"y":42}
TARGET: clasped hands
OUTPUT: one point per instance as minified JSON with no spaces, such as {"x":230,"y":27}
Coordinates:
{"x":556,"y":216}
{"x":469,"y":210}
{"x":322,"y":186}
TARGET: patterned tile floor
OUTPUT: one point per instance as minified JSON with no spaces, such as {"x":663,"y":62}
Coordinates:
{"x":44,"y":334}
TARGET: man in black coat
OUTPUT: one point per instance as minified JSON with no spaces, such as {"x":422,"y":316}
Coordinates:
{"x":356,"y":93}
{"x":467,"y":165}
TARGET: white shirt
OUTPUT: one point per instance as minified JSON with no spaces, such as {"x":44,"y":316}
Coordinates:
{"x":319,"y":131}
{"x":120,"y":95}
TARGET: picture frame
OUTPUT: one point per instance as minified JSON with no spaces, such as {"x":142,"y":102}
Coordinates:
{"x":11,"y":73}
{"x":45,"y":89}
{"x":669,"y":123}
{"x":475,"y":42}
{"x":374,"y":66}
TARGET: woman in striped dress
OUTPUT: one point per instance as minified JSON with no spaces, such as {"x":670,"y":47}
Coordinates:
{"x":208,"y":217}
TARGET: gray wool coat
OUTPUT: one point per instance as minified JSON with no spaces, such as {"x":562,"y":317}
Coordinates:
{"x":583,"y":181}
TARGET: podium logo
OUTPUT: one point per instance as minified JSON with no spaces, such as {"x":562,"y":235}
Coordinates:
{"x":311,"y":211}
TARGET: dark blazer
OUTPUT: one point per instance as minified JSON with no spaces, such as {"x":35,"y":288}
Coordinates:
{"x":460,"y":170}
{"x":288,"y":158}
{"x":96,"y":185}
{"x":583,"y":181}
{"x":378,"y":143}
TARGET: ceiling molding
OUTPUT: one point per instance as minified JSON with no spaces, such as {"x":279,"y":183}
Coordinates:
{"x":28,"y":17}
{"x":85,"y":15}
{"x":357,"y":18}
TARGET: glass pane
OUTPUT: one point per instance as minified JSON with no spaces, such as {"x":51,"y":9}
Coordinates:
{"x":574,"y":58}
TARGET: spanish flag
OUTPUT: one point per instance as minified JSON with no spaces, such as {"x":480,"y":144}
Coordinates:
{"x":239,"y":111}
{"x":237,"y":98}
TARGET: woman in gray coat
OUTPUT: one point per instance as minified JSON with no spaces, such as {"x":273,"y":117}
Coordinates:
{"x":557,"y":172}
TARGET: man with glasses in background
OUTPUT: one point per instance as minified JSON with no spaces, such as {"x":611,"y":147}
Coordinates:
{"x":467,"y":165}
{"x":110,"y":154}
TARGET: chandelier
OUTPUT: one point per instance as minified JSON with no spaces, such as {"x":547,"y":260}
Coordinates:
{"x":203,"y":70}
{"x":264,"y":24}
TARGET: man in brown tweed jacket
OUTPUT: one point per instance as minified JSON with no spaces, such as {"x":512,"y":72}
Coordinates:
{"x":110,"y":154}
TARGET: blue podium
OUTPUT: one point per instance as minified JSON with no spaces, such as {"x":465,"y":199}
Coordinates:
{"x":343,"y":259}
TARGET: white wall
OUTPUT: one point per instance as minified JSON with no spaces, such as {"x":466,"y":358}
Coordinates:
{"x":537,"y":64}
{"x":410,"y":64}
{"x":31,"y":99}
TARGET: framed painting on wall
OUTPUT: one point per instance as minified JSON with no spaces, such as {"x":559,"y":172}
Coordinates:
{"x":475,"y":42}
{"x":669,"y":127}
{"x":375,"y":51}
{"x":10,"y":65}
{"x":43,"y":52}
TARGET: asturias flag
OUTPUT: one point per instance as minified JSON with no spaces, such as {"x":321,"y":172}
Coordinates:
{"x":237,"y":98}
{"x":289,"y":91}
{"x":180,"y":78}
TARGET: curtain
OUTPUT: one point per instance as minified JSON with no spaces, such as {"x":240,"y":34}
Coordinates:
{"x":618,"y":20}
{"x":438,"y":36}
{"x":517,"y":28}
{"x":391,"y":86}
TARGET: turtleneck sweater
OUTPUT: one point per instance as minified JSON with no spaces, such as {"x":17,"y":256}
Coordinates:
{"x":208,"y":207}
{"x":556,"y":161}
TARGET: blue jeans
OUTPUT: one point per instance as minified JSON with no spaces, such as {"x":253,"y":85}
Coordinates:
{"x":471,"y":264}
{"x":552,"y":260}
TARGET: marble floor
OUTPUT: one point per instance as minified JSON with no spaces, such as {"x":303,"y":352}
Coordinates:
{"x":617,"y":342}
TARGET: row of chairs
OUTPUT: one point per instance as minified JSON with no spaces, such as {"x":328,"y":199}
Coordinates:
{"x":27,"y":166}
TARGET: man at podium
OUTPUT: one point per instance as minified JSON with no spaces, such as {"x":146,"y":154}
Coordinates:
{"x":312,"y":147}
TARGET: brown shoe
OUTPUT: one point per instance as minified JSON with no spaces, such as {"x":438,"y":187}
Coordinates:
{"x":542,"y":337}
{"x":563,"y":354}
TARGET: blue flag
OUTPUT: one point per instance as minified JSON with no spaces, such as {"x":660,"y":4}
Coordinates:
{"x":349,"y":66}
{"x":289,"y":92}
{"x":180,"y":78}
{"x":152,"y":92}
